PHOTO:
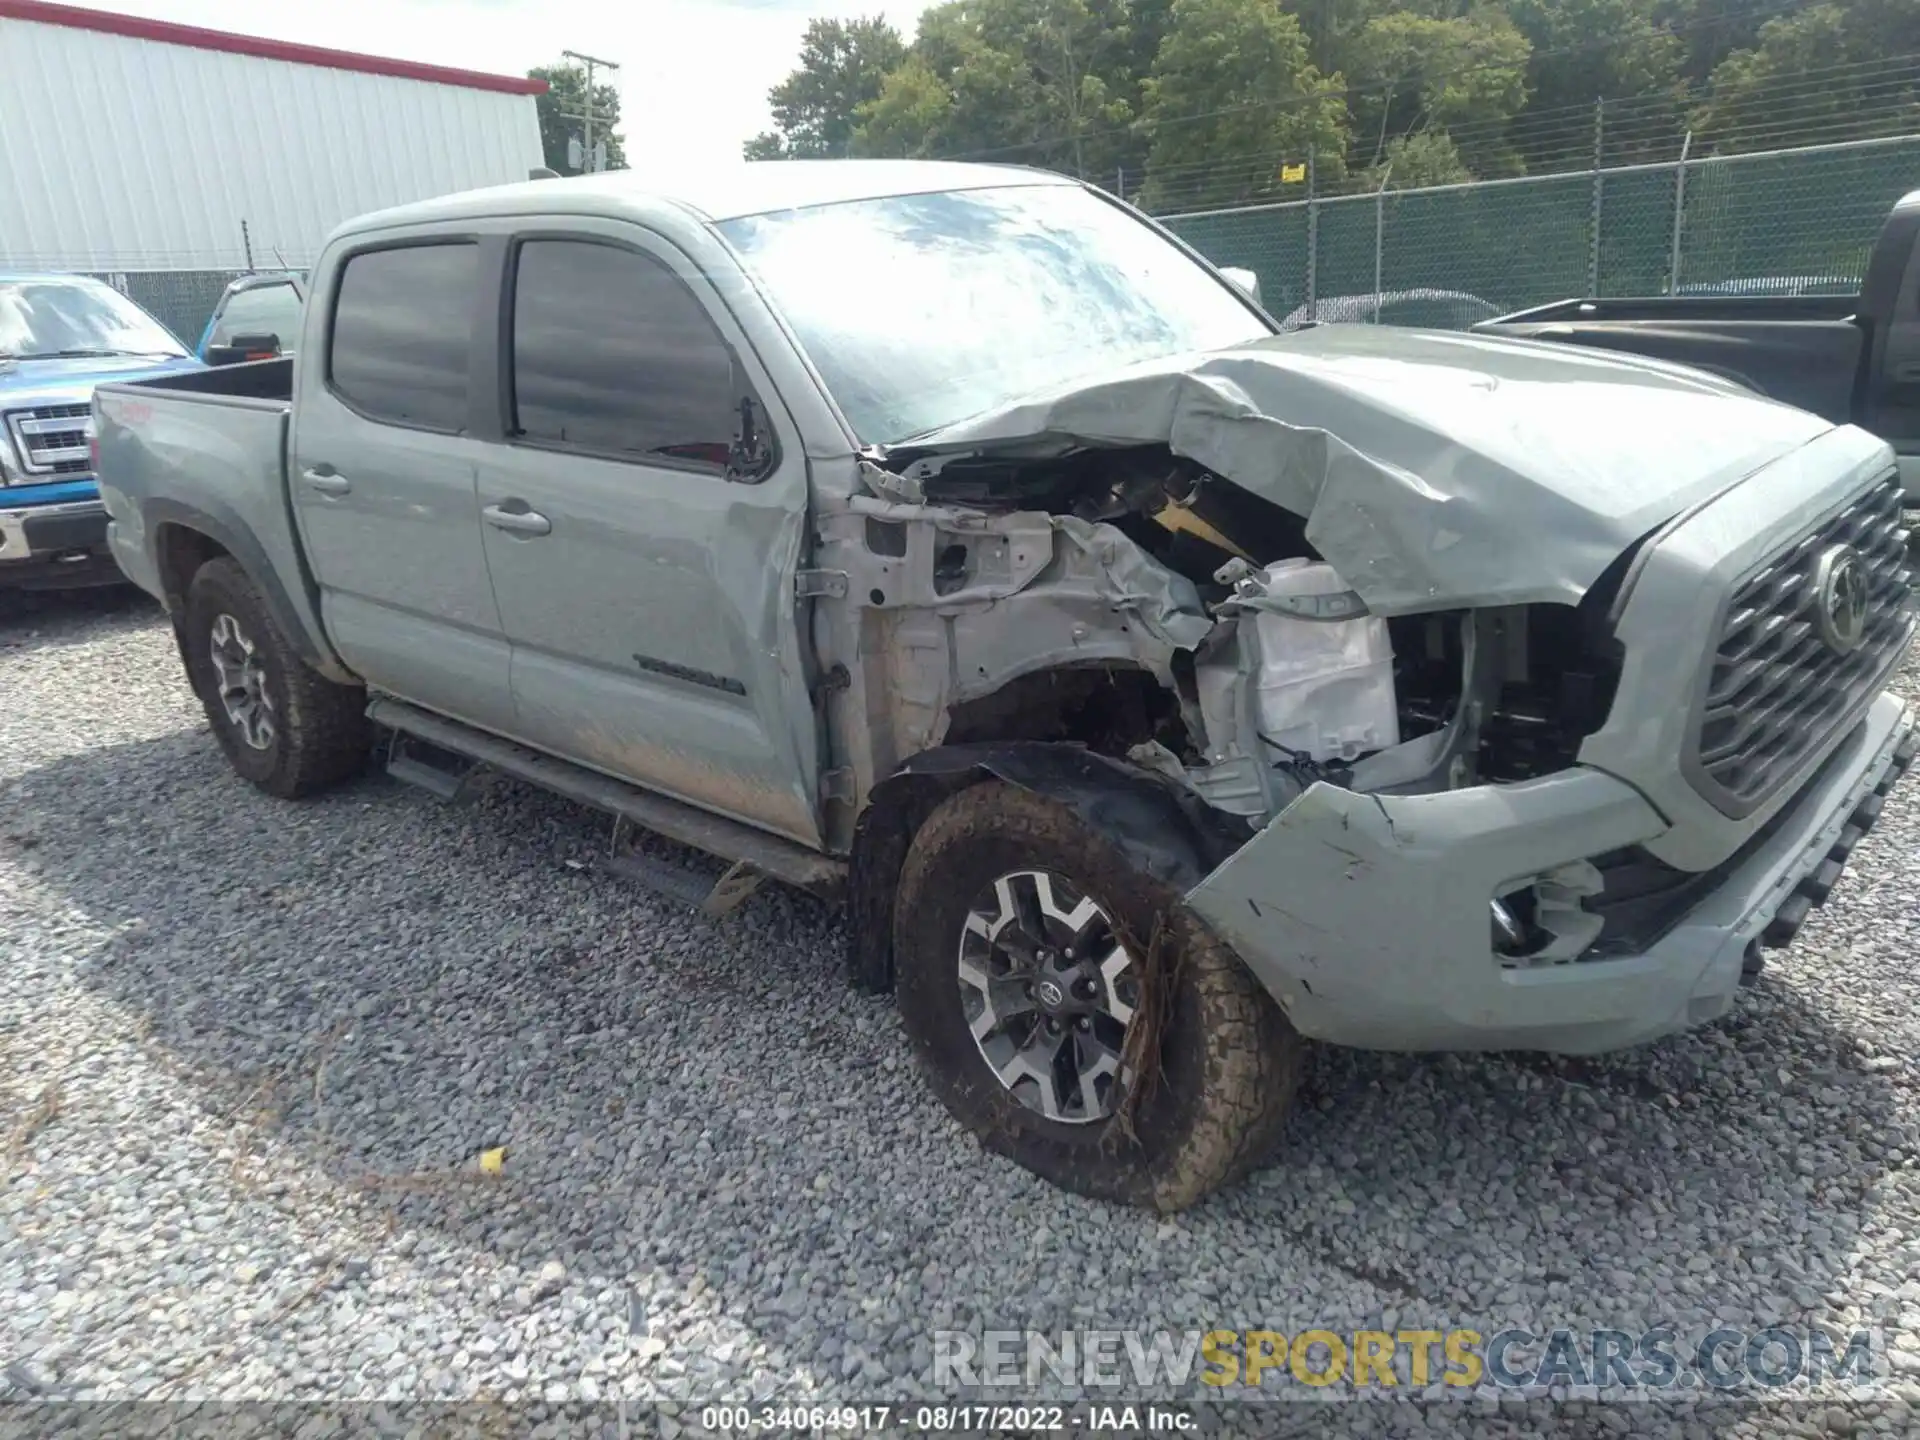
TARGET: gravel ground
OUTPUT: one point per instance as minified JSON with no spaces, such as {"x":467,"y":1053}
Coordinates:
{"x":250,"y":1051}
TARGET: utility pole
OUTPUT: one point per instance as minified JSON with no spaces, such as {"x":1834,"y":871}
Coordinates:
{"x":587,"y":109}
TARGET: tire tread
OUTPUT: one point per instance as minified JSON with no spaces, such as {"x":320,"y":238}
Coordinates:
{"x":323,"y":731}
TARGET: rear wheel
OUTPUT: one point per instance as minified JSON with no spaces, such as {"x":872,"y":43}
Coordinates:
{"x":1073,"y":1015}
{"x":282,"y":724}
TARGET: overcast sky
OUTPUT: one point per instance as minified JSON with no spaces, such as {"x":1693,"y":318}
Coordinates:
{"x":694,"y":73}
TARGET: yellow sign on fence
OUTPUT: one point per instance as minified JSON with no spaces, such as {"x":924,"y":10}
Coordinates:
{"x":1289,"y":174}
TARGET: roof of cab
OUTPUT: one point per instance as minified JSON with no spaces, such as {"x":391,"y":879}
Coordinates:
{"x":713,"y":192}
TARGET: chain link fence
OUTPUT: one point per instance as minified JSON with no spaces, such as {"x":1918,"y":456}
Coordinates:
{"x":1455,"y":254}
{"x":181,"y":300}
{"x":1772,"y":222}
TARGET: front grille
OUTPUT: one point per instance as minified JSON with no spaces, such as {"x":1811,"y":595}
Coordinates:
{"x":52,"y":439}
{"x":1778,"y":689}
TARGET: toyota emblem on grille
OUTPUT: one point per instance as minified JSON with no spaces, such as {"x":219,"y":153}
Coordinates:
{"x":1840,"y":598}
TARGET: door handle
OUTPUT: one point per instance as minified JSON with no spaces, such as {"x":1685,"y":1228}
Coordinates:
{"x":517,"y":522}
{"x":1908,"y":372}
{"x":326,"y":480}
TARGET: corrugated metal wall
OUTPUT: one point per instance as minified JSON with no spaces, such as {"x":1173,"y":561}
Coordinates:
{"x":120,"y":154}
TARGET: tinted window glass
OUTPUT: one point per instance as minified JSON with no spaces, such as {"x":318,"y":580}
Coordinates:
{"x":268,"y":310}
{"x":400,"y":329}
{"x":612,"y":353}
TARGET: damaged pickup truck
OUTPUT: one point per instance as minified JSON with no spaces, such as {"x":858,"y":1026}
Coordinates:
{"x":1159,"y":691}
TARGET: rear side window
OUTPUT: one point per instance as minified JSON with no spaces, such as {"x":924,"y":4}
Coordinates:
{"x":612,"y":353}
{"x":401,"y":323}
{"x":263,"y":310}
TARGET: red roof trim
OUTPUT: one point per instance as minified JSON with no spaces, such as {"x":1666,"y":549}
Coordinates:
{"x":136,"y":28}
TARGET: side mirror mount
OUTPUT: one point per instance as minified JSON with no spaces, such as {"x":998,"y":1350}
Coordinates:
{"x":1245,"y":281}
{"x":751,"y":458}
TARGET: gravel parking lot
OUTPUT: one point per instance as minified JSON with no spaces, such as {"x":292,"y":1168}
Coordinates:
{"x":250,"y":1051}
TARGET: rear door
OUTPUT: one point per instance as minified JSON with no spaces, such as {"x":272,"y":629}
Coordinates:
{"x":383,"y":472}
{"x":644,"y":570}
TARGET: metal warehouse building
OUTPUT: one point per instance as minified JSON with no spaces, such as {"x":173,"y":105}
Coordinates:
{"x":167,"y":158}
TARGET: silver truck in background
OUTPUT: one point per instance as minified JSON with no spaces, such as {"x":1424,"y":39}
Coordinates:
{"x":1158,"y":690}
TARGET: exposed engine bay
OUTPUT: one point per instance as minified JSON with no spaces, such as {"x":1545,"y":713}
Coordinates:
{"x":1256,"y":639}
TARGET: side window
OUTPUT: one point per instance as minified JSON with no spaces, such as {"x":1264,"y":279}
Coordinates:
{"x":612,"y":353}
{"x":263,"y":310}
{"x":401,"y":323}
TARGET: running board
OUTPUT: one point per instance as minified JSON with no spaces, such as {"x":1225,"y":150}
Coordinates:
{"x":756,"y":850}
{"x":419,"y":770}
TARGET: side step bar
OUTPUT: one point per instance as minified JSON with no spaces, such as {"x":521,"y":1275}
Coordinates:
{"x":748,"y":848}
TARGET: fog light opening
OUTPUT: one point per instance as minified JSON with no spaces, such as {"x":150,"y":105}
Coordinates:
{"x":1516,"y":931}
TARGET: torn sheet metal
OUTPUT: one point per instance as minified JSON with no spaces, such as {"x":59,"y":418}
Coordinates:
{"x":946,"y":605}
{"x":1434,"y":470}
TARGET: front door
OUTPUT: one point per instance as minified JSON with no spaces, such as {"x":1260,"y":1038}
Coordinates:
{"x":383,"y":474}
{"x":644,"y":573}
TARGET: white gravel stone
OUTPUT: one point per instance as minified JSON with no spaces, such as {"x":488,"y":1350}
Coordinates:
{"x":272,"y":1038}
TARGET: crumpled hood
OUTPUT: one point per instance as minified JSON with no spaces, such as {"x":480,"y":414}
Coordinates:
{"x":1435,"y":470}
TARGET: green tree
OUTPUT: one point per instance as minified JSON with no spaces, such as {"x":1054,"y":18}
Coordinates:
{"x":909,"y":116}
{"x":1047,"y":82}
{"x":1409,"y":162}
{"x":1234,"y":97}
{"x":1586,"y":50}
{"x":1711,"y":30}
{"x":566,"y":97}
{"x":1413,"y":73}
{"x":1806,"y":81}
{"x":843,"y":65}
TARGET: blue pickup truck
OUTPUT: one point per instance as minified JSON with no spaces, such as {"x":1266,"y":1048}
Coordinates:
{"x":60,"y":335}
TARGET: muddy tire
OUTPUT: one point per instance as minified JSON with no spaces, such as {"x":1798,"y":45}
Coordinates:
{"x":284,"y":726}
{"x":1209,"y":1065}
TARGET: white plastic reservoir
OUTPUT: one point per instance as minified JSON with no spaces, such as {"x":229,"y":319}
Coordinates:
{"x":1326,"y":686}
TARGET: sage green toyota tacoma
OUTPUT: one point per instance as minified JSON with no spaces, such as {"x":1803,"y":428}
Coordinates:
{"x":1159,"y":692}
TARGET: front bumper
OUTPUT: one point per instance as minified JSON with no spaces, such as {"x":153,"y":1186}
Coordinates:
{"x":1366,"y":916}
{"x":55,"y":545}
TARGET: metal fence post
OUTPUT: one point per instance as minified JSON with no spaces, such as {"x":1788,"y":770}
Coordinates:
{"x":1599,"y":183}
{"x":1679,"y":214}
{"x":1313,"y":236}
{"x":1379,"y":235}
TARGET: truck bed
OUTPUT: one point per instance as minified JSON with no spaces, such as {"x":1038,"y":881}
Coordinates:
{"x":1804,"y":350}
{"x":206,"y":451}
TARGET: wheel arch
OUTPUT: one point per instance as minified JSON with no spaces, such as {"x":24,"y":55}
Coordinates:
{"x":185,"y":538}
{"x":1167,"y":833}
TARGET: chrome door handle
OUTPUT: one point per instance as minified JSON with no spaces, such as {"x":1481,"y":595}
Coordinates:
{"x":327,"y":481}
{"x":517,"y":522}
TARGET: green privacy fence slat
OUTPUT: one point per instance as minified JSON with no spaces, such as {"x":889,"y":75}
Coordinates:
{"x":1802,"y":214}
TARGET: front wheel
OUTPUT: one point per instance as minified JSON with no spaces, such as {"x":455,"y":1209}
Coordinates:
{"x":1073,"y":1015}
{"x":282,"y":724}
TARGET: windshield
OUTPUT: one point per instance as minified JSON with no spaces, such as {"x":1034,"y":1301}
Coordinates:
{"x":922,"y":310}
{"x":42,"y":319}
